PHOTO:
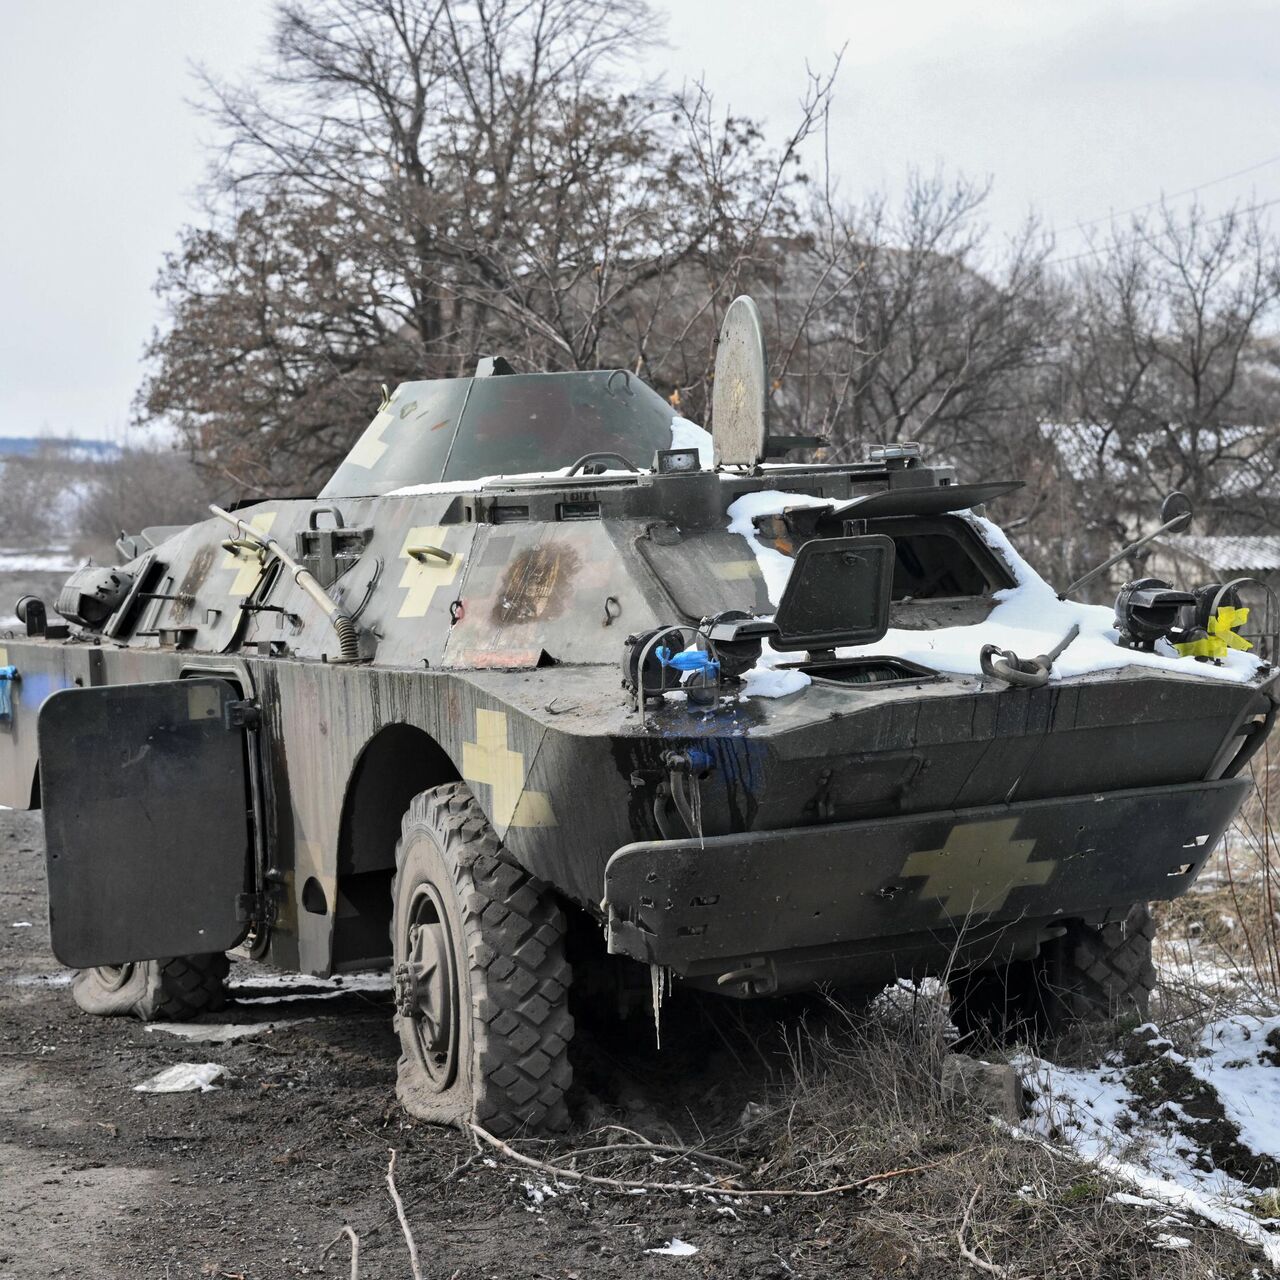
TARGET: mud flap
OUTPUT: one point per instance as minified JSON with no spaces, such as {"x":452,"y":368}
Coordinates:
{"x":146,"y":814}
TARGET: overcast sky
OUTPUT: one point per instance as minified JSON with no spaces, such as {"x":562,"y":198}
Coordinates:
{"x":1076,"y":108}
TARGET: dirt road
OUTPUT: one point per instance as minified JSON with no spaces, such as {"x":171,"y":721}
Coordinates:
{"x":255,"y":1178}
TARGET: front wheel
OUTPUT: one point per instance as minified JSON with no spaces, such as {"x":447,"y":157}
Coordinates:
{"x":481,"y":980}
{"x":154,"y":990}
{"x":1091,"y":974}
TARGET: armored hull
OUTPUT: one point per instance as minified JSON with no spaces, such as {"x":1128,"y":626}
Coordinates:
{"x":598,"y":668}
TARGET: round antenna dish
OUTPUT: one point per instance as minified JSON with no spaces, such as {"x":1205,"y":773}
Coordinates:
{"x":1176,"y":507}
{"x":739,"y":429}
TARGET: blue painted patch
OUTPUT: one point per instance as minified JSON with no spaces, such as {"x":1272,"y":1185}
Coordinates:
{"x":38,"y":687}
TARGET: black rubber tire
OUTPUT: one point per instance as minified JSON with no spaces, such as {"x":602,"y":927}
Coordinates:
{"x":506,"y":1067}
{"x":1091,"y":974}
{"x":155,"y":990}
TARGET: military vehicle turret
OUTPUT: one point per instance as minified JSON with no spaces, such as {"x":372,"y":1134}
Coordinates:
{"x":542,"y":651}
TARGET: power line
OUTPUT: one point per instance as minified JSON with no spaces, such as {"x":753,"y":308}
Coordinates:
{"x":1138,"y":240}
{"x":1176,"y":195}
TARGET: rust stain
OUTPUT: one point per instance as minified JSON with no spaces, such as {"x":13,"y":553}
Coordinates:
{"x":442,"y":423}
{"x":537,"y":585}
{"x":191,"y":583}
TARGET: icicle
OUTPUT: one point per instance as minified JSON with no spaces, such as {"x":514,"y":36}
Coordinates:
{"x":659,"y":985}
{"x":695,"y":806}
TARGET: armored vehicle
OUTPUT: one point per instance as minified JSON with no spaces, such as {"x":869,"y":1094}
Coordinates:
{"x":543,"y":663}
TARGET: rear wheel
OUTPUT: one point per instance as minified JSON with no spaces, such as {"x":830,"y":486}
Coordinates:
{"x":481,"y":979}
{"x":154,"y":990}
{"x":1092,"y":973}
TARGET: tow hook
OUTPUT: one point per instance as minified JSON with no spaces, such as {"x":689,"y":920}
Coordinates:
{"x":756,"y":978}
{"x":1029,"y":673}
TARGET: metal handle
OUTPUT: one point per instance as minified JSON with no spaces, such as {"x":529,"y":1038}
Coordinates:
{"x":427,"y":552}
{"x":320,"y":511}
{"x":604,"y":454}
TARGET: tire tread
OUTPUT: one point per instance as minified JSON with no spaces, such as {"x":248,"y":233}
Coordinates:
{"x":519,"y":976}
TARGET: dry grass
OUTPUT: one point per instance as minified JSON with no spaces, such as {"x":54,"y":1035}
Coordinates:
{"x":858,"y":1096}
{"x":1223,"y":937}
{"x":866,"y":1093}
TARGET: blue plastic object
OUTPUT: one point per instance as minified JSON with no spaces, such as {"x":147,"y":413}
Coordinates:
{"x":688,"y":660}
{"x":7,"y":676}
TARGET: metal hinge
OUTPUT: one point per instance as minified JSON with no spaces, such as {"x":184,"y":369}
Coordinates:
{"x":242,"y":715}
{"x":253,"y":907}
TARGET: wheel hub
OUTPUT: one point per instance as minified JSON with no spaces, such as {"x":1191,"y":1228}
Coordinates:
{"x":115,"y":976}
{"x":425,"y":986}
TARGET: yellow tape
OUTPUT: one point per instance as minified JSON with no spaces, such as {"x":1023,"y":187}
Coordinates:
{"x":1221,"y":637}
{"x":1223,"y":625}
{"x":1209,"y":647}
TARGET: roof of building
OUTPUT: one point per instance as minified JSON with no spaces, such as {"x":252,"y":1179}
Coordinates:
{"x":1258,"y":554}
{"x":1239,"y":459}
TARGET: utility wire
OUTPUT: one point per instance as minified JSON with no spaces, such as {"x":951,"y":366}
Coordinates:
{"x":1176,"y":195}
{"x":1111,"y":244}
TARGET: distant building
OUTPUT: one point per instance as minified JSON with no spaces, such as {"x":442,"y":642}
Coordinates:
{"x":1219,"y":557}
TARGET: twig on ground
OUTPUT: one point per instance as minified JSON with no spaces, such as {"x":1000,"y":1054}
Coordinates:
{"x":355,"y":1252}
{"x":355,"y":1248}
{"x":979,"y":1264}
{"x":661,"y":1148}
{"x":404,"y":1222}
{"x":708,"y":1188}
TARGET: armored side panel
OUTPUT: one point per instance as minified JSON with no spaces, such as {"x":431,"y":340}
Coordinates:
{"x":146,"y":821}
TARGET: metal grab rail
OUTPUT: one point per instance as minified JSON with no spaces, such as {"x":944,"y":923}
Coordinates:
{"x":344,"y":628}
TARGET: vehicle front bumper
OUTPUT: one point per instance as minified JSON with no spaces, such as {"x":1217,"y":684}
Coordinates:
{"x":872,"y":898}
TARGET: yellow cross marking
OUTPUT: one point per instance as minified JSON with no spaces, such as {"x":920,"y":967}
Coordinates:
{"x":371,"y":446}
{"x":489,"y":760}
{"x":736,"y":570}
{"x":247,"y":565}
{"x":977,"y":868}
{"x":422,"y":577}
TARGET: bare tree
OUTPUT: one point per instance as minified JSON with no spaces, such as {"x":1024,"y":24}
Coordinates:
{"x":38,"y":492}
{"x":416,"y":184}
{"x":1169,"y":372}
{"x":138,"y":488}
{"x":912,"y":329}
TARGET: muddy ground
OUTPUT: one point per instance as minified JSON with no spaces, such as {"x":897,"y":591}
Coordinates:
{"x":255,"y":1178}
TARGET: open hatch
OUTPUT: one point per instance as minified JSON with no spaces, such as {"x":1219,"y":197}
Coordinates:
{"x":838,"y":594}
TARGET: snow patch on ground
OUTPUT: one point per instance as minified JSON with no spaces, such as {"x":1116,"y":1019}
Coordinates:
{"x":219,"y":1032}
{"x":1107,"y":1118}
{"x":63,"y":979}
{"x":1241,"y":1062}
{"x":47,"y":560}
{"x":294,"y":981}
{"x":289,"y":987}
